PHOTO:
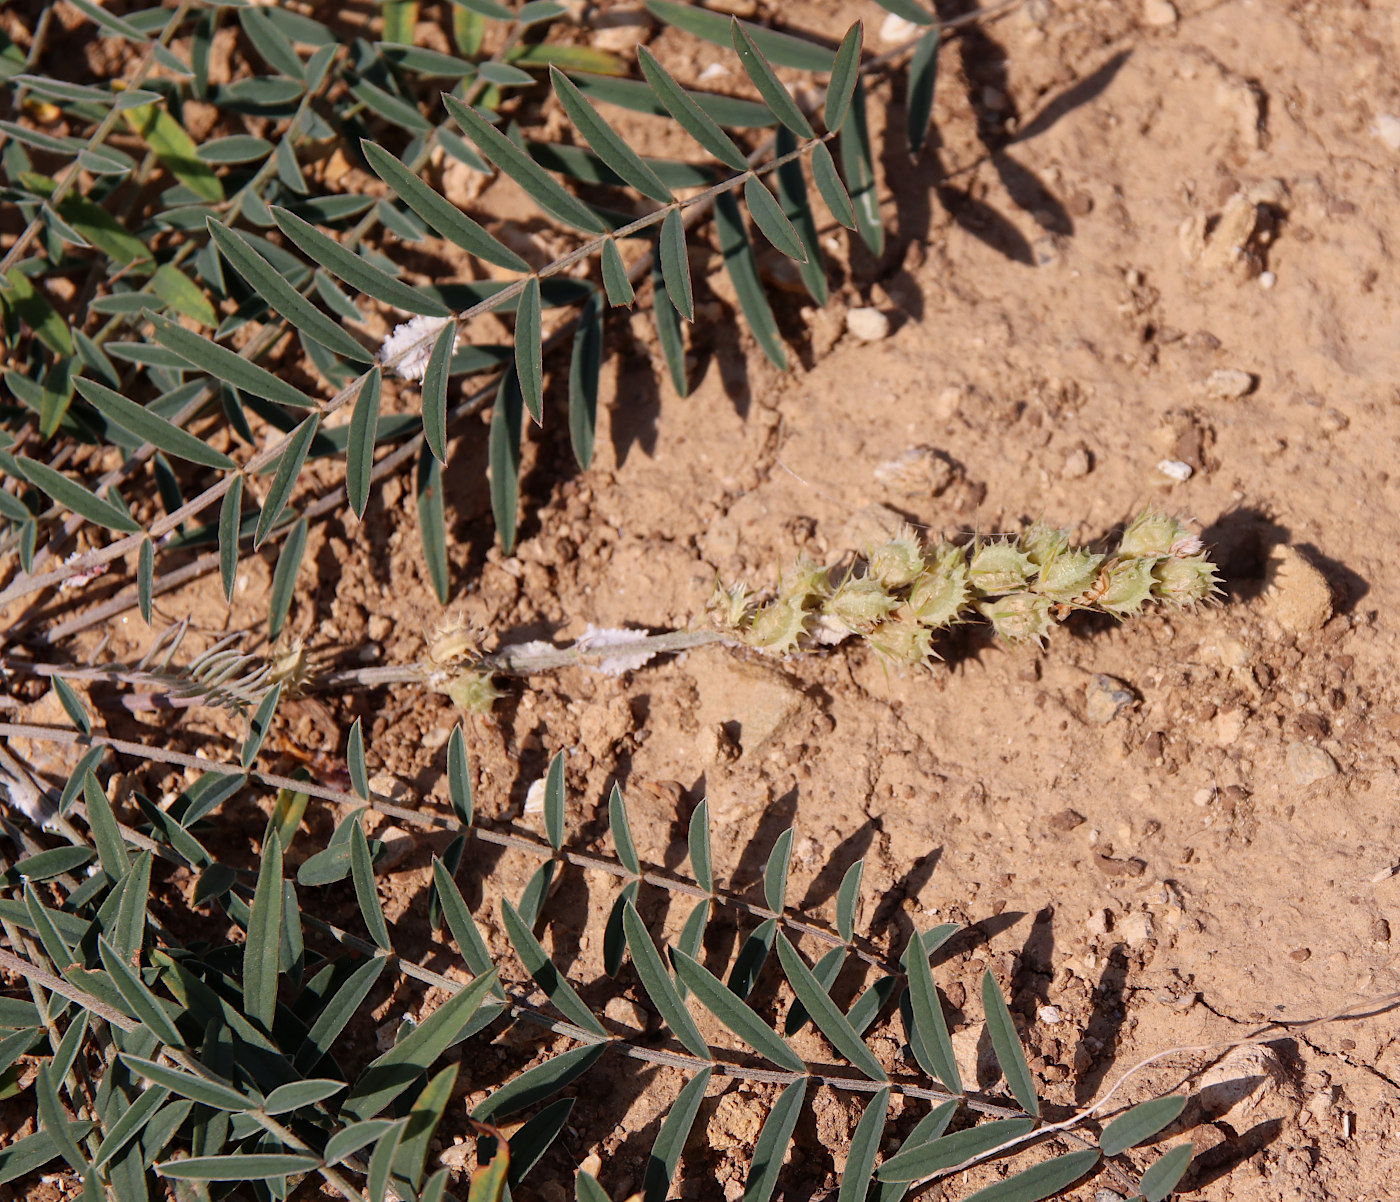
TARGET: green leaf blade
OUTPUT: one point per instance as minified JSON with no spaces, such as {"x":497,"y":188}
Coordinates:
{"x":734,"y":1014}
{"x":1007,"y":1045}
{"x":1140,"y":1123}
{"x":1041,"y":1180}
{"x":659,"y":986}
{"x":825,"y":1013}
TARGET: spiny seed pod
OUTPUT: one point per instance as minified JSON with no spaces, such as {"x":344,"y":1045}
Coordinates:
{"x":899,"y":561}
{"x":1153,"y":534}
{"x":1129,"y":586}
{"x":999,"y":568}
{"x":942,"y":592}
{"x":1068,"y":575}
{"x":1043,"y":544}
{"x":289,"y":668}
{"x":807,"y":583}
{"x":1018,"y":617}
{"x":1183,"y":582}
{"x":452,"y":641}
{"x":861,"y":604}
{"x":474,"y":692}
{"x":902,"y":642}
{"x":730,"y":607}
{"x":779,"y":627}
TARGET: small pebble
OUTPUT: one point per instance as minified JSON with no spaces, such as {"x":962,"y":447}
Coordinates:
{"x":1077,"y":464}
{"x":1050,"y":1015}
{"x":1229,"y":384}
{"x":1159,"y":13}
{"x":895,"y":29}
{"x":1106,"y":698}
{"x":1175,"y":469}
{"x":1308,"y":763}
{"x":1298,"y":596}
{"x":1267,"y":279}
{"x":868,"y":324}
{"x":1387,"y":129}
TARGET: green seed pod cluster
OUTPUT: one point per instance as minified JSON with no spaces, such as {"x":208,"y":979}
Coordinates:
{"x":901,"y":592}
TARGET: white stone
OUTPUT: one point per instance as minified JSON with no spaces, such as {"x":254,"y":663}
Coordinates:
{"x":1387,"y":129}
{"x":868,"y":324}
{"x":1136,"y":929}
{"x":1050,"y":1015}
{"x":1159,"y":13}
{"x":895,"y":29}
{"x":1229,"y":384}
{"x":1175,"y":469}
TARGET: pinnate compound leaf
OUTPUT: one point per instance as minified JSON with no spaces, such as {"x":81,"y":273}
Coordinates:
{"x":1007,"y":1045}
{"x":689,"y":115}
{"x":355,"y":270}
{"x":529,"y":349}
{"x":218,"y":1094}
{"x":263,"y":941}
{"x":1162,"y":1177}
{"x":773,"y":1141}
{"x":865,"y":1145}
{"x":540,"y":1082}
{"x":1040,"y":1181}
{"x":932,"y":1048}
{"x":659,"y":986}
{"x":543,"y":188}
{"x":845,"y":72}
{"x":769,"y":86}
{"x":223,"y":364}
{"x":238,"y":1166}
{"x":503,"y":454}
{"x":150,"y":426}
{"x":923,"y":76}
{"x":671,"y":1139}
{"x":606,"y":142}
{"x":1140,"y":1123}
{"x":825,"y":1013}
{"x":918,"y":1163}
{"x":537,"y":963}
{"x":238,"y":249}
{"x":734,"y":1014}
{"x":739,"y":261}
{"x":768,"y":215}
{"x":442,"y":215}
{"x":414,"y":1054}
{"x":72,"y":495}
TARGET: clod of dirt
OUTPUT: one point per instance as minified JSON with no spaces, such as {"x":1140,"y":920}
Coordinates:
{"x":1078,"y":464}
{"x":1247,"y":1080}
{"x":1226,"y":248}
{"x":1229,"y":384}
{"x":1136,"y":929}
{"x":975,"y":1057}
{"x":917,"y":471}
{"x":1159,"y":13}
{"x":736,"y":1121}
{"x":868,"y":324}
{"x":398,"y":845}
{"x":626,"y":1013}
{"x":1308,"y":764}
{"x":870,"y":526}
{"x":1298,"y":595}
{"x":1105,"y":698}
{"x":750,"y":698}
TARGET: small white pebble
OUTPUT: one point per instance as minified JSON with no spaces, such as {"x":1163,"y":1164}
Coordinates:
{"x":1050,"y":1015}
{"x":1159,"y":13}
{"x":1387,"y":129}
{"x":1267,"y":279}
{"x":1229,"y":384}
{"x":894,"y":29}
{"x":1203,"y":797}
{"x":712,"y":72}
{"x":868,"y":324}
{"x":1175,"y":469}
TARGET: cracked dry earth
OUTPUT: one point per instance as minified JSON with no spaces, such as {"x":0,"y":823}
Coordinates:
{"x":1162,"y":833}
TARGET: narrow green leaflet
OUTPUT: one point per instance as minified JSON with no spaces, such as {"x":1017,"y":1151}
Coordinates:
{"x":540,"y":1082}
{"x":353,"y":269}
{"x":847,"y":899}
{"x":829,"y":184}
{"x":587,"y":1189}
{"x":933,"y":1049}
{"x":441,"y":215}
{"x":435,"y":391}
{"x":239,"y":1166}
{"x":675,"y":264}
{"x":72,"y":705}
{"x":175,"y":149}
{"x":536,"y":1134}
{"x":106,"y":834}
{"x":359,"y":450}
{"x":131,"y":1120}
{"x":459,"y":780}
{"x":72,"y":495}
{"x":238,"y":249}
{"x":620,"y":828}
{"x":926,"y":1130}
{"x":432,"y":520}
{"x":366,"y":891}
{"x":34,"y":310}
{"x":355,"y":760}
{"x":826,"y":1013}
{"x":1161,"y":1178}
{"x":182,"y":294}
{"x":258,"y":726}
{"x":783,"y":48}
{"x":923,"y":76}
{"x":865,"y":1145}
{"x":689,"y":115}
{"x":270,"y":42}
{"x":337,"y":1013}
{"x":585,"y":371}
{"x":400,"y":1066}
{"x":858,"y":166}
{"x":797,"y":210}
{"x":223,"y":364}
{"x":55,"y":1121}
{"x":1140,"y":1123}
{"x":769,"y":86}
{"x":503,"y":455}
{"x":145,"y":578}
{"x":349,"y":1140}
{"x":538,"y":964}
{"x":734,"y":1014}
{"x":909,"y":10}
{"x":668,"y":330}
{"x":1041,"y":1180}
{"x":615,"y":281}
{"x":284,"y":579}
{"x":671,"y":1139}
{"x":743,"y":271}
{"x":1007,"y":1045}
{"x":461,"y":923}
{"x":606,"y":142}
{"x":775,"y":872}
{"x":236,"y":148}
{"x":230,"y":522}
{"x":845,"y":72}
{"x":546,"y":191}
{"x":284,"y":479}
{"x":699,"y":843}
{"x":381,"y":1162}
{"x":826,"y":970}
{"x":614,"y":934}
{"x":529,"y":349}
{"x":768,"y":215}
{"x":659,"y":986}
{"x":423,"y":1119}
{"x":926,"y":1159}
{"x":773,"y":1141}
{"x":296,"y":1094}
{"x":218,"y":1094}
{"x":554,"y":801}
{"x":261,"y":944}
{"x":23,"y":1156}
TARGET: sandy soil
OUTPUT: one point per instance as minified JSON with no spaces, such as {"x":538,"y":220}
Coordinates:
{"x":1123,"y":213}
